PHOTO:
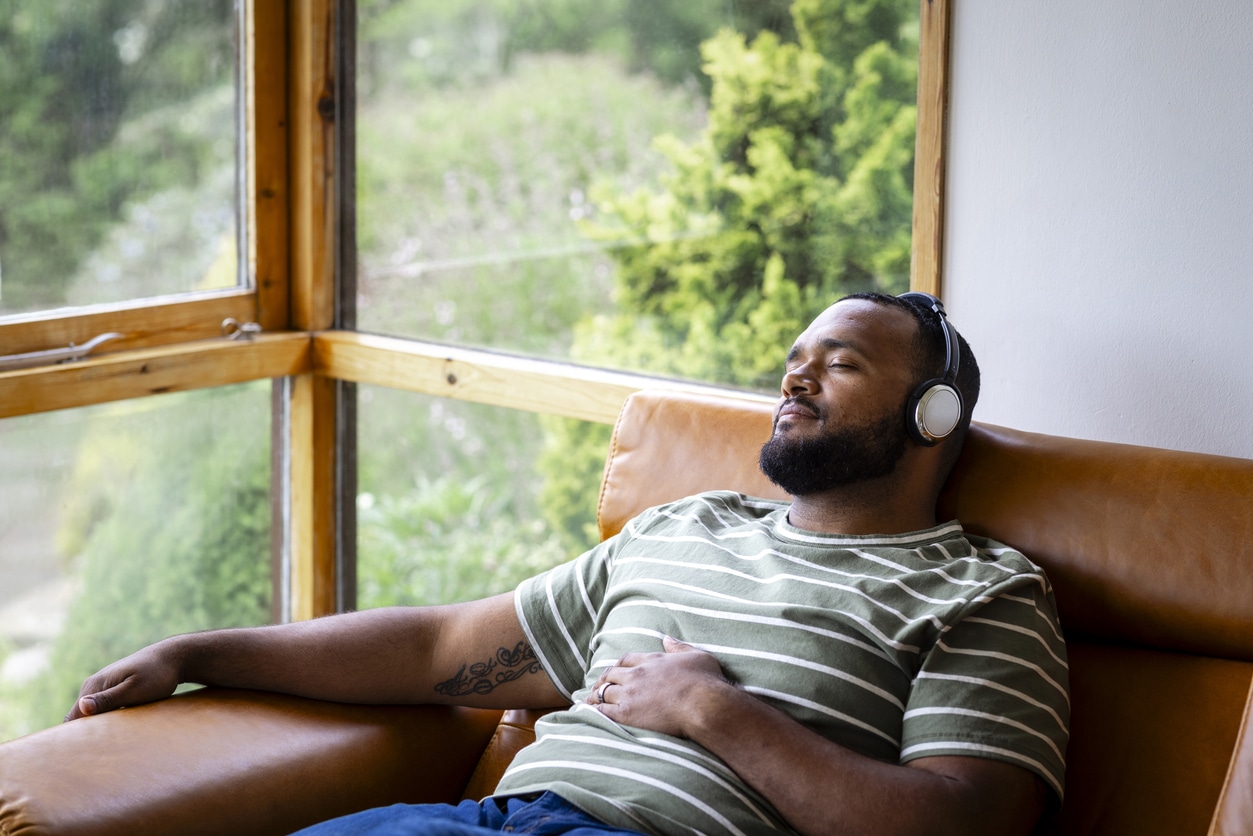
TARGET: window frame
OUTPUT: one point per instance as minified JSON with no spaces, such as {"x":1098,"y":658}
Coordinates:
{"x":170,"y":326}
{"x":298,"y":208}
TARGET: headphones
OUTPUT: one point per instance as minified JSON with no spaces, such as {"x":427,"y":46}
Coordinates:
{"x":935,"y":406}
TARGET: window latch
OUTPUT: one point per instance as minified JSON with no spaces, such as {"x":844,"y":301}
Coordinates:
{"x":233,"y":329}
{"x":51,"y":356}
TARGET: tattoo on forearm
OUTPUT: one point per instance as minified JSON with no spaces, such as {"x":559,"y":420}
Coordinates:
{"x":483,"y":677}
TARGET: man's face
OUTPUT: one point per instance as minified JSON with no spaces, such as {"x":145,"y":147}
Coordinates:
{"x":840,"y":418}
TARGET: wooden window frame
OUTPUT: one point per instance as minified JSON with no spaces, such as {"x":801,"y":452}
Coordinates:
{"x":294,"y":221}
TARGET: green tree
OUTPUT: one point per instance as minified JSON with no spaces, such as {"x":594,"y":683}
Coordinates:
{"x":456,"y":41}
{"x":73,"y":73}
{"x":167,"y":529}
{"x":448,"y":539}
{"x":798,"y":191}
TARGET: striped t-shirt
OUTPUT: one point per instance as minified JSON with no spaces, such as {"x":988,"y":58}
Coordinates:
{"x":898,"y":647}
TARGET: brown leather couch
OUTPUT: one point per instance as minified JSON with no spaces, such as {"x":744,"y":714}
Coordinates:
{"x":1150,"y":552}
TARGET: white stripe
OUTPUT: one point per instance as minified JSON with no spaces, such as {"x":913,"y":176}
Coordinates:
{"x":937,"y":533}
{"x":740,"y":532}
{"x":575,"y":650}
{"x":697,"y":753}
{"x":884,"y":637}
{"x":779,"y":576}
{"x":823,"y":709}
{"x":1039,"y":613}
{"x":622,"y":631}
{"x":650,"y":752}
{"x":996,"y":686}
{"x":1005,"y":657}
{"x":1036,"y":766}
{"x":957,"y":581}
{"x":877,"y":604}
{"x":783,"y":576}
{"x":539,"y":652}
{"x":983,"y":715}
{"x":634,"y":776}
{"x":803,"y":663}
{"x":723,"y":615}
{"x":758,"y":502}
{"x":587,"y":599}
{"x":1023,"y":630}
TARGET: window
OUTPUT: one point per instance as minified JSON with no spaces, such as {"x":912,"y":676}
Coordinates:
{"x":127,"y":205}
{"x":121,"y":524}
{"x":641,"y":261}
{"x":673,"y":188}
{"x":121,"y":151}
{"x":660,"y":188}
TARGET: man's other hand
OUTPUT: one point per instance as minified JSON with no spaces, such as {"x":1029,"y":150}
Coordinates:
{"x":149,"y":675}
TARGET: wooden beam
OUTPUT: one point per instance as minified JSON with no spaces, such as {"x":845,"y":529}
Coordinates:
{"x":312,"y":410}
{"x":311,"y":105}
{"x":152,"y":371}
{"x":486,"y":377}
{"x":312,"y":489}
{"x":267,"y":149}
{"x":157,"y":322}
{"x":930,"y":150}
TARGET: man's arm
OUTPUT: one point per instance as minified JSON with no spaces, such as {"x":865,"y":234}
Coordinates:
{"x":820,"y":787}
{"x":473,"y":654}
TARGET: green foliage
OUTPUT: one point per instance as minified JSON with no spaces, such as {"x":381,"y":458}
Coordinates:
{"x":798,"y":191}
{"x":72,"y":75}
{"x":443,"y":43}
{"x":448,"y":539}
{"x":168,"y":530}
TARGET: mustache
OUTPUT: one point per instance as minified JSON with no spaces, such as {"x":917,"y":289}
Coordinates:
{"x":804,"y":403}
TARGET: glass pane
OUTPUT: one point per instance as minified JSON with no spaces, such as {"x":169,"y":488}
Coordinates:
{"x":675,"y":188}
{"x":458,"y":501}
{"x":118,"y":155}
{"x":122,"y":524}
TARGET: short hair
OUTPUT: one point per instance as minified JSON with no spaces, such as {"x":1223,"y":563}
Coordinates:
{"x":929,"y":356}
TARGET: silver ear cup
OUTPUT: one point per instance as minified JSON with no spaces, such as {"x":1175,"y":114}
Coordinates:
{"x":938,"y":411}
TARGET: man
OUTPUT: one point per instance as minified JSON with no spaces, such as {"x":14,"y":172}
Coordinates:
{"x":838,"y":664}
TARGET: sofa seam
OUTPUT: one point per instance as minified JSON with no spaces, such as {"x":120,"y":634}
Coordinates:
{"x":609,"y":464}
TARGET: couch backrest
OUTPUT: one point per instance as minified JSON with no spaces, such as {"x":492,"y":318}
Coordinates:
{"x":1151,"y":556}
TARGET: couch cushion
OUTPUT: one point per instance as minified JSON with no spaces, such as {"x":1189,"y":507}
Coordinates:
{"x":667,"y":445}
{"x":1148,"y":546}
{"x":1151,"y":733}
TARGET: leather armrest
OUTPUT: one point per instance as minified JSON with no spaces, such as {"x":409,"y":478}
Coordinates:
{"x":224,"y":761}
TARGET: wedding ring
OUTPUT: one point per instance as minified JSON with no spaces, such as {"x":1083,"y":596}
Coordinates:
{"x":600,"y":693}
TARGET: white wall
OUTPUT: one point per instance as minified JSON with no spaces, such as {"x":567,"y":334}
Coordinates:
{"x":1099,"y":232}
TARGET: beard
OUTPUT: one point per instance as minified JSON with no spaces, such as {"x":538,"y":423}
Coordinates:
{"x":835,"y":459}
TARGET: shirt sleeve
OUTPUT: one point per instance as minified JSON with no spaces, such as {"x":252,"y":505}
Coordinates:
{"x":560,"y":611}
{"x":996,"y":685}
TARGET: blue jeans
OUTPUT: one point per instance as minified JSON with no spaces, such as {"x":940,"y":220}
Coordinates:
{"x":546,"y":815}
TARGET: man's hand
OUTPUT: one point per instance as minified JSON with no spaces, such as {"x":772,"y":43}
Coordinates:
{"x":147,"y":676}
{"x":662,"y":692}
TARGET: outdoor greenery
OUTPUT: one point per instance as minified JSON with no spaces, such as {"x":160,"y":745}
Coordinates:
{"x":643,"y":184}
{"x":798,"y":191}
{"x":167,"y":530}
{"x":94,"y":118}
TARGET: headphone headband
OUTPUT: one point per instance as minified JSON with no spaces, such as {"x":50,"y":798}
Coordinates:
{"x":935,"y":407}
{"x":952,"y":350}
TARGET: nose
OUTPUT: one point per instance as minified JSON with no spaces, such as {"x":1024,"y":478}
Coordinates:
{"x":799,"y":380}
